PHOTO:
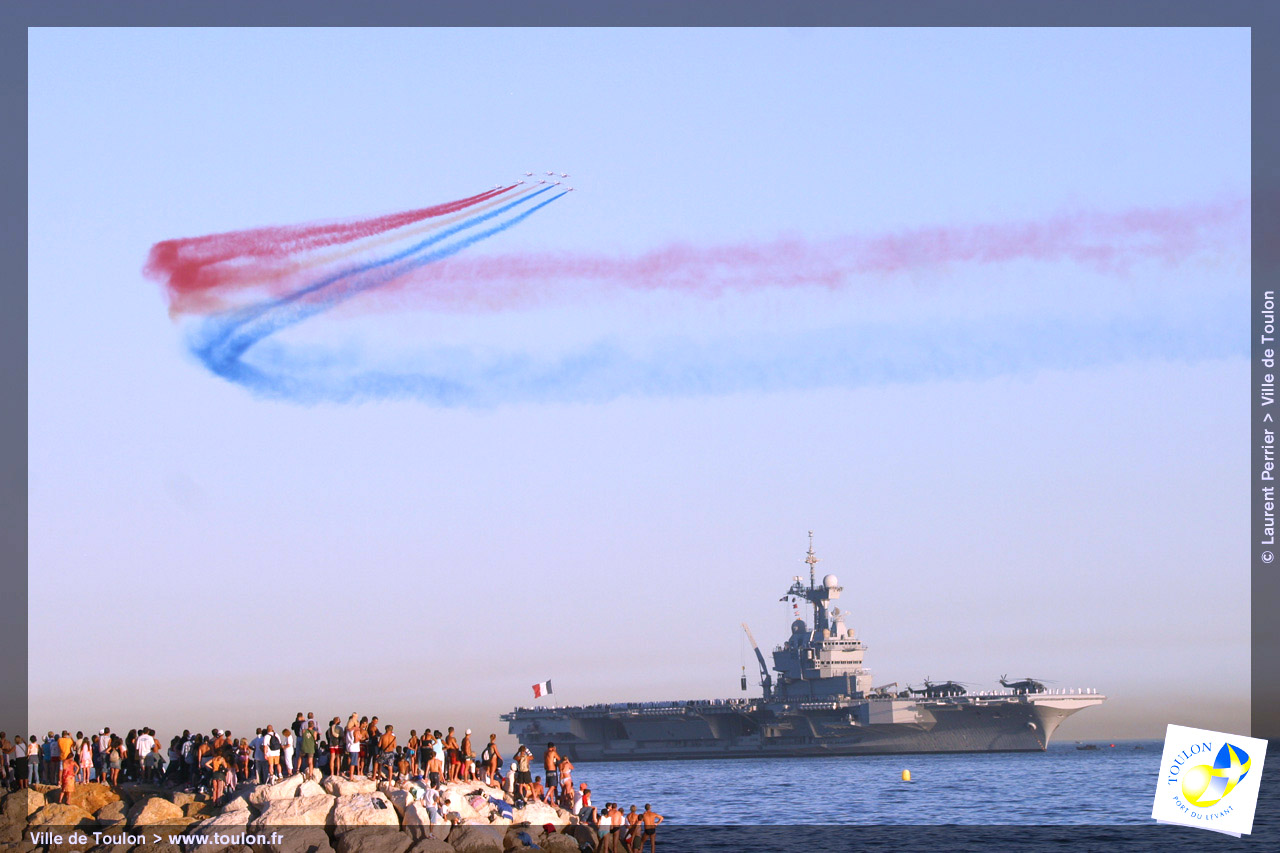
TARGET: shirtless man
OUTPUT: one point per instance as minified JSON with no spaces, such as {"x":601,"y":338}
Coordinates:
{"x":451,"y":756}
{"x":435,"y":769}
{"x":551,"y":764}
{"x":650,"y":819}
{"x":468,"y":758}
{"x":629,"y":835}
{"x":615,"y":827}
{"x":386,"y":754}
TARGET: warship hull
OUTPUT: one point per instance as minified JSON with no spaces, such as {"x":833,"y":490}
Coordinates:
{"x":665,"y":731}
{"x":821,"y":703}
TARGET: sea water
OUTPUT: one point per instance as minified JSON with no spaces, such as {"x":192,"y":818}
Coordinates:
{"x":1106,"y":786}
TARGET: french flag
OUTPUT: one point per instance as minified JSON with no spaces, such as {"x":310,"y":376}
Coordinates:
{"x":542,"y":688}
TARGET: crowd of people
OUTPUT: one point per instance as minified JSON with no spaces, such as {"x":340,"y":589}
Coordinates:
{"x":220,"y":762}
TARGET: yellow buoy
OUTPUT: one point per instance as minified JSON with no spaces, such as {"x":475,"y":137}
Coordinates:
{"x":906,"y":775}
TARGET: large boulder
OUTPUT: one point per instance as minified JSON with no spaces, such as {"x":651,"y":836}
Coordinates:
{"x":341,"y":786}
{"x":113,"y":814}
{"x":282,"y":790}
{"x":92,"y":796}
{"x":371,"y":839}
{"x":315,"y":774}
{"x":364,"y":810}
{"x":311,"y":788}
{"x":299,"y":811}
{"x":238,"y":803}
{"x":152,"y":810}
{"x":15,"y":810}
{"x":400,"y":799}
{"x":63,"y":817}
{"x":477,"y":839}
{"x":309,"y":839}
{"x":182,"y":798}
{"x":22,"y":803}
{"x":554,"y":842}
{"x":416,"y":821}
{"x":199,"y":810}
{"x":540,"y":814}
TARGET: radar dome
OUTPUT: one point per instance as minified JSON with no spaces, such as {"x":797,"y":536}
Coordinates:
{"x":831,"y":582}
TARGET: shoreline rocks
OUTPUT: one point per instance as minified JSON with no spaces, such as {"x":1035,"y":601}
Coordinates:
{"x":304,"y":813}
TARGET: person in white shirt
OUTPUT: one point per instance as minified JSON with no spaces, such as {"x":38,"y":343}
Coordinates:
{"x":145,"y":742}
{"x":288,"y":743}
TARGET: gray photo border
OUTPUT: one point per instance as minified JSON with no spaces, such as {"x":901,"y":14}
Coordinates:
{"x":1263,"y":17}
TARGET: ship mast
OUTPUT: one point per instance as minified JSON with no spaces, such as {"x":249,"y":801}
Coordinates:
{"x":812,"y":560}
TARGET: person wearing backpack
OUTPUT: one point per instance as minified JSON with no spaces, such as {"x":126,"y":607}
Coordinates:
{"x":271,"y":752}
{"x":491,"y":759}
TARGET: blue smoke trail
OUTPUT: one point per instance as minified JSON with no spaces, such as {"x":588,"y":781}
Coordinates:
{"x":841,"y":357}
{"x":222,"y":342}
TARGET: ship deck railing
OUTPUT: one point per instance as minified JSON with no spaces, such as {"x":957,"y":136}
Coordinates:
{"x":736,"y":704}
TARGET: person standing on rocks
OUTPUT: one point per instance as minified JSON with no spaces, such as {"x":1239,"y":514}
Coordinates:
{"x":435,"y":769}
{"x":386,"y":754}
{"x":551,"y":764}
{"x":298,"y":725}
{"x":650,"y":820}
{"x":218,"y":770}
{"x":18,"y":761}
{"x":115,"y":759}
{"x":524,"y":782}
{"x":451,"y":756}
{"x":271,"y":751}
{"x":333,"y":740}
{"x":308,"y":746}
{"x":566,"y":774}
{"x":468,"y":758}
{"x":629,"y":835}
{"x":288,"y":744}
{"x":491,"y":759}
{"x":67,"y":779}
{"x":259,"y":758}
{"x":351,"y":738}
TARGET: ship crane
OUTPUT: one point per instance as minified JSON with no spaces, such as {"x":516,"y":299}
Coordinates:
{"x":766,"y":680}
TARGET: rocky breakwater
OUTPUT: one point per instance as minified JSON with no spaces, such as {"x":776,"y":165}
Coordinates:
{"x":302,"y":814}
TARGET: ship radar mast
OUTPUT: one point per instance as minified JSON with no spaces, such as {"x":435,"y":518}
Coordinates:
{"x":817,"y":594}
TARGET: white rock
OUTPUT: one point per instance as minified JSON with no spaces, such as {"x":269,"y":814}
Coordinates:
{"x":281,"y":790}
{"x":539,"y":814}
{"x":316,"y":810}
{"x":416,"y":820}
{"x":364,"y":810}
{"x":341,"y":786}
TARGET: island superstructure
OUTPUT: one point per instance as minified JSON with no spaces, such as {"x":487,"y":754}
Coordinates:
{"x":822,"y":702}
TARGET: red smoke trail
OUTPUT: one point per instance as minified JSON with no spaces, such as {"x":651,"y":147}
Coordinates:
{"x":1109,"y":242}
{"x":186,"y":265}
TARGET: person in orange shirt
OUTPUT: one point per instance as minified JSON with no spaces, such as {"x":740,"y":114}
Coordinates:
{"x":65,"y":745}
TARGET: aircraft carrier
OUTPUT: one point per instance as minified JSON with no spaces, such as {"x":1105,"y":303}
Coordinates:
{"x":823,"y":703}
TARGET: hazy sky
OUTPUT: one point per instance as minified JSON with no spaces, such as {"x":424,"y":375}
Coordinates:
{"x":1031,"y":462}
